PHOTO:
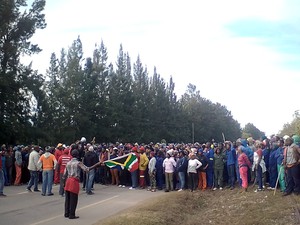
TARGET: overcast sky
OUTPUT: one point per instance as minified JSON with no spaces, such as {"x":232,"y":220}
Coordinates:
{"x":243,"y":54}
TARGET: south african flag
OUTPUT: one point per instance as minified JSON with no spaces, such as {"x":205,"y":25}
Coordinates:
{"x":128,"y":161}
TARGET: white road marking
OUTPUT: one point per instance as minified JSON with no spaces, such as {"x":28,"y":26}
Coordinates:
{"x":84,"y":207}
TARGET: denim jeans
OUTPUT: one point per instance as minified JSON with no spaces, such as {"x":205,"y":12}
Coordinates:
{"x":134,"y":178}
{"x":47,"y":181}
{"x":34,"y":178}
{"x":89,"y":180}
{"x":181,"y":180}
{"x":1,"y":181}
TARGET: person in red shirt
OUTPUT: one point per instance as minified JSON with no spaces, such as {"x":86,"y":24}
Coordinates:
{"x":61,"y":165}
{"x":58,"y":152}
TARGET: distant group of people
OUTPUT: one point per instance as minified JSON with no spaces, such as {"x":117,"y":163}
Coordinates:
{"x":160,"y":166}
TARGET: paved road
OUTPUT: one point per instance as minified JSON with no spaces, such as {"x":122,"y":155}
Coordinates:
{"x":23,"y":208}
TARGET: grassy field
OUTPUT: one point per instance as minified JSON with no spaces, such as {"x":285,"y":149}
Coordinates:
{"x":212,"y":207}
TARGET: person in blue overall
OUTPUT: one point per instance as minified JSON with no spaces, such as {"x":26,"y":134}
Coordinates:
{"x":209,"y":153}
{"x":230,"y":163}
{"x":273,"y":166}
{"x":159,"y":170}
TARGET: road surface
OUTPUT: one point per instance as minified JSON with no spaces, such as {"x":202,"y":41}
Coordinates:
{"x":30,"y":208}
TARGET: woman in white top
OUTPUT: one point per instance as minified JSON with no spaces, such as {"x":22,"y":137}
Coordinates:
{"x":193,"y":165}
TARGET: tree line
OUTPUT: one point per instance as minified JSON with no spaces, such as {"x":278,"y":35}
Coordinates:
{"x":94,"y":98}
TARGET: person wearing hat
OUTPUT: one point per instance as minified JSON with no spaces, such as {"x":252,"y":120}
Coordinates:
{"x":61,"y":165}
{"x":34,"y":169}
{"x":48,"y":162}
{"x":143,"y":164}
{"x":169,"y":164}
{"x":57,"y":153}
{"x":193,"y":165}
{"x":134,"y":174}
{"x":291,"y":162}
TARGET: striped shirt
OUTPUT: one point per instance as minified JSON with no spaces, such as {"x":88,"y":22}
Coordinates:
{"x":73,"y":168}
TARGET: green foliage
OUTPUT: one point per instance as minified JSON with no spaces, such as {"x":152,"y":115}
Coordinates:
{"x":19,"y":84}
{"x":292,"y":127}
{"x":89,"y":97}
{"x":251,"y":131}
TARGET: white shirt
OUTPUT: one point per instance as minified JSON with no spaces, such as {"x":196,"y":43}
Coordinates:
{"x":193,"y":165}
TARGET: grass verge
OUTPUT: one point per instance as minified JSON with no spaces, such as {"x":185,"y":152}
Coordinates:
{"x":212,"y":207}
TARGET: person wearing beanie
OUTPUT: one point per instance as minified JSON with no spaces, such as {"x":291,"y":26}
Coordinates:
{"x":143,"y":163}
{"x":48,"y":162}
{"x":34,"y":169}
{"x":72,"y":176}
{"x":61,"y":165}
{"x":90,"y":158}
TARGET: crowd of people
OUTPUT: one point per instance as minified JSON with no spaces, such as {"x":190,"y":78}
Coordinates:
{"x":171,"y":167}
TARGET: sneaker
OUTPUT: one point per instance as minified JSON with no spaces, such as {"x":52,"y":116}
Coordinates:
{"x":221,"y":188}
{"x":2,"y":195}
{"x":123,"y":186}
{"x":120,"y":185}
{"x":90,"y":193}
{"x":36,"y":190}
{"x":131,"y":188}
{"x":258,"y":190}
{"x":214,"y":188}
{"x":180,"y":190}
{"x":50,"y":194}
{"x":28,"y":189}
{"x":286,"y":193}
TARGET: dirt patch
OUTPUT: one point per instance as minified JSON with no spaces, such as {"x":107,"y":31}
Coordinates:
{"x":213,"y":207}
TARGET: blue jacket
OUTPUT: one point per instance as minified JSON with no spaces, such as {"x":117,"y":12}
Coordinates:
{"x":231,"y":156}
{"x":182,"y":164}
{"x":248,"y":151}
{"x":279,"y":155}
